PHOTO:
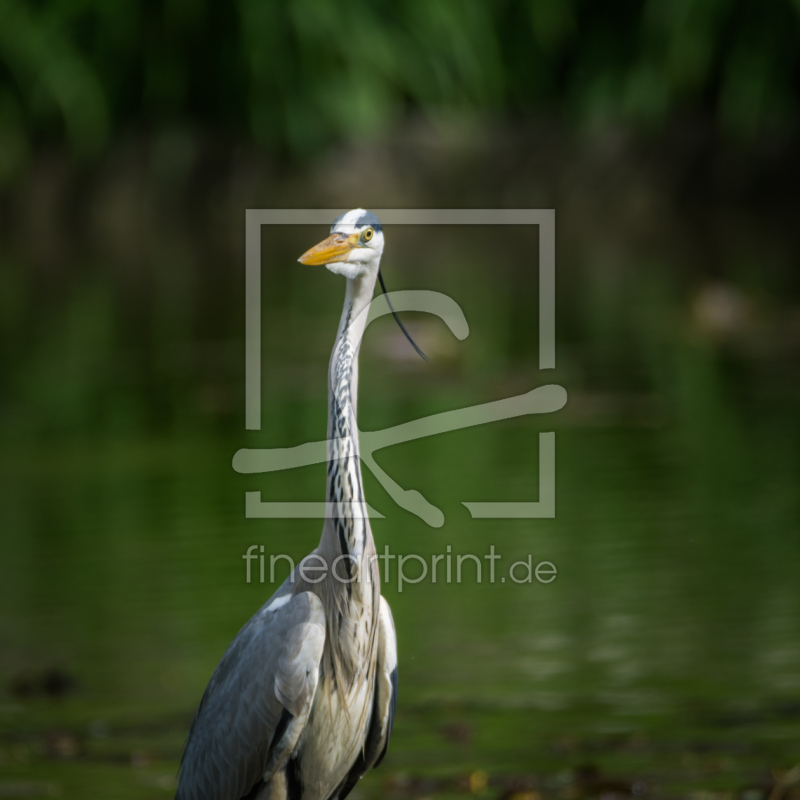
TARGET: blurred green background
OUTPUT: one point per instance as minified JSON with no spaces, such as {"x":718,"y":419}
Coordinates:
{"x":664,"y":660}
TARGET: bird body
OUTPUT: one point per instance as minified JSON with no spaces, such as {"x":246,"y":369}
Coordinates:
{"x":302,"y":702}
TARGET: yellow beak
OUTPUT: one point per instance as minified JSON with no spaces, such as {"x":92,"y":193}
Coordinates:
{"x":335,"y":248}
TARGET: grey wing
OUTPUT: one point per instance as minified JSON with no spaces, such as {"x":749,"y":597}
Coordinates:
{"x":257,"y":701}
{"x":384,"y":703}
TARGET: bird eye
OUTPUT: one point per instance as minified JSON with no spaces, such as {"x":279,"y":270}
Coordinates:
{"x":368,"y":233}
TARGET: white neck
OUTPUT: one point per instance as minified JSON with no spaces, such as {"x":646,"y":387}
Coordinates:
{"x":352,"y":606}
{"x":344,"y":485}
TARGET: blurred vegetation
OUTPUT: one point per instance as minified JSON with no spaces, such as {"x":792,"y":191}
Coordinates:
{"x":298,"y":75}
{"x":665,"y":659}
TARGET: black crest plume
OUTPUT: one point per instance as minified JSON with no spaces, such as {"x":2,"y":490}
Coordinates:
{"x":397,"y":319}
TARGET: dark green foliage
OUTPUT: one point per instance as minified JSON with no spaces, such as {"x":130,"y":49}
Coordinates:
{"x":297,"y":75}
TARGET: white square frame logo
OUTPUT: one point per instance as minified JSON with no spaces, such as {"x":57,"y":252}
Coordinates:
{"x":543,"y":399}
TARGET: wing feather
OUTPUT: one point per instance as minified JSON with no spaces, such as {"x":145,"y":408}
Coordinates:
{"x":271,"y":668}
{"x":385,"y":687}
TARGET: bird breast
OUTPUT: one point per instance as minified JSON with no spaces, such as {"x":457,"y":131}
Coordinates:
{"x":334,"y":736}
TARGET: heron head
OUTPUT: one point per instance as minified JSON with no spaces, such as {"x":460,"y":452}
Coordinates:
{"x":354,"y":247}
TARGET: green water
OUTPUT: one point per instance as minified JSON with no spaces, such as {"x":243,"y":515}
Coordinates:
{"x":674,"y":620}
{"x":665,"y":655}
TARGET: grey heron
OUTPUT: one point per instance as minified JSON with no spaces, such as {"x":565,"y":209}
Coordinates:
{"x":302,"y":703}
